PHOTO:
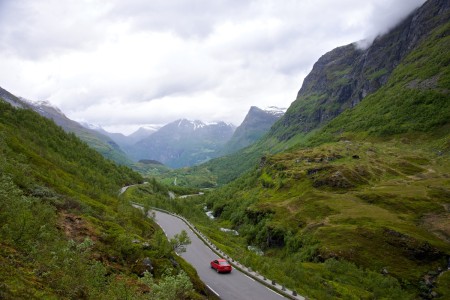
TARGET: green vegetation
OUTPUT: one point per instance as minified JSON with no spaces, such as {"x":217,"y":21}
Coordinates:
{"x":150,"y":169}
{"x":64,"y":232}
{"x":103,"y":145}
{"x":352,"y":208}
{"x":415,"y":99}
{"x":372,"y":188}
{"x":367,"y":207}
{"x":356,"y":209}
{"x":222,"y":170}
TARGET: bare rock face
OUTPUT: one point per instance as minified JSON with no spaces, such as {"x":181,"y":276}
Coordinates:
{"x":343,"y":77}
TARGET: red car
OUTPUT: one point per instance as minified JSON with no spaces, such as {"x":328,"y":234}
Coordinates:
{"x":221,"y":266}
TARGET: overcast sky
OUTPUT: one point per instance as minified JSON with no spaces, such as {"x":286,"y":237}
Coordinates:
{"x":122,"y":64}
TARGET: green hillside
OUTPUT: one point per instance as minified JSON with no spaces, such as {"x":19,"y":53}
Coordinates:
{"x":356,"y":209}
{"x":64,"y":232}
{"x":347,"y":196}
{"x":346,"y":78}
{"x":416,"y":98}
{"x":103,"y":144}
{"x":370,"y":188}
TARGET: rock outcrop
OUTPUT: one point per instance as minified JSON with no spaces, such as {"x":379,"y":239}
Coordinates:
{"x":343,"y":77}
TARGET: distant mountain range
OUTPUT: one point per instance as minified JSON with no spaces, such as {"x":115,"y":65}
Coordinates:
{"x":125,"y":141}
{"x":178,"y":144}
{"x":183,"y":143}
{"x":187,"y":143}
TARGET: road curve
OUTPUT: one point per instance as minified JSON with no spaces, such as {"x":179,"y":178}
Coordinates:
{"x":233,"y":286}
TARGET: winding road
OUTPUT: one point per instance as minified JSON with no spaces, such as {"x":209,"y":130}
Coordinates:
{"x":233,"y":286}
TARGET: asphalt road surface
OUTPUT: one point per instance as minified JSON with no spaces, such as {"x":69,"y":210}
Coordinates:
{"x":231,"y":286}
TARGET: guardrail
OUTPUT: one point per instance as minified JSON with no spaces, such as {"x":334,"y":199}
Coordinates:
{"x":282,"y":290}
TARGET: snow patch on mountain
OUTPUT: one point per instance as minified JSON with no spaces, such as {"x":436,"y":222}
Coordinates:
{"x":276,"y":111}
{"x":41,"y":105}
{"x":197,"y":124}
{"x":151,"y":127}
{"x":92,"y":126}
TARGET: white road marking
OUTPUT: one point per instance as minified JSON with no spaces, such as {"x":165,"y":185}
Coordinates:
{"x":275,"y":293}
{"x":249,"y":277}
{"x":213,"y":291}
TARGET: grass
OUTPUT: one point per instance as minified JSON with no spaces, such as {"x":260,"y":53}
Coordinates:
{"x":358,"y":206}
{"x":64,"y":232}
{"x":389,"y":218}
{"x":383,"y":219}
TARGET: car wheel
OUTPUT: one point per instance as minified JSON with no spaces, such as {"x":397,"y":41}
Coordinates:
{"x":217,"y":270}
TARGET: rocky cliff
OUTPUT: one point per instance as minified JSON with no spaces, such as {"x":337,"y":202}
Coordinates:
{"x":343,"y":77}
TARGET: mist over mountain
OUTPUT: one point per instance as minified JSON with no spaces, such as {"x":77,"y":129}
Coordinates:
{"x":343,"y":77}
{"x":11,"y":99}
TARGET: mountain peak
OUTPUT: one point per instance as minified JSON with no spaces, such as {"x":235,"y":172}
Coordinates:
{"x":257,"y":122}
{"x":346,"y":75}
{"x":184,"y":142}
{"x":145,"y":129}
{"x":43,"y":105}
{"x":274,"y":110}
{"x":197,"y":124}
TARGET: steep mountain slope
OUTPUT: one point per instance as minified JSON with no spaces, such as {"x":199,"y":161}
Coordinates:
{"x":183,"y":143}
{"x":371,"y":186}
{"x":64,"y":233}
{"x":256,"y":123}
{"x":142,"y":133}
{"x":104,"y":145}
{"x":98,"y":141}
{"x":11,"y":99}
{"x":341,"y":78}
{"x":339,"y":81}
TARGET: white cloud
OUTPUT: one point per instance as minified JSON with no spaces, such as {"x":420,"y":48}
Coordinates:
{"x":122,"y":64}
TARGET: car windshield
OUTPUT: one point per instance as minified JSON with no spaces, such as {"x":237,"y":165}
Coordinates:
{"x":223,"y":263}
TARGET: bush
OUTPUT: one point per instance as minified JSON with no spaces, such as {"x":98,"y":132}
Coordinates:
{"x":169,"y":287}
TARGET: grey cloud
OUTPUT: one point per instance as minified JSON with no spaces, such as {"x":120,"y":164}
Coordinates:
{"x":190,"y":19}
{"x":139,"y":61}
{"x":37,"y":29}
{"x":386,"y":14}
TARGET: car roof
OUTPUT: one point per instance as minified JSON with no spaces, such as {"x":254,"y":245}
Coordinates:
{"x":221,"y":259}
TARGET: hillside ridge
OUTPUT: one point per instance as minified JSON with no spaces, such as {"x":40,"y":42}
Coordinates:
{"x":338,"y":82}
